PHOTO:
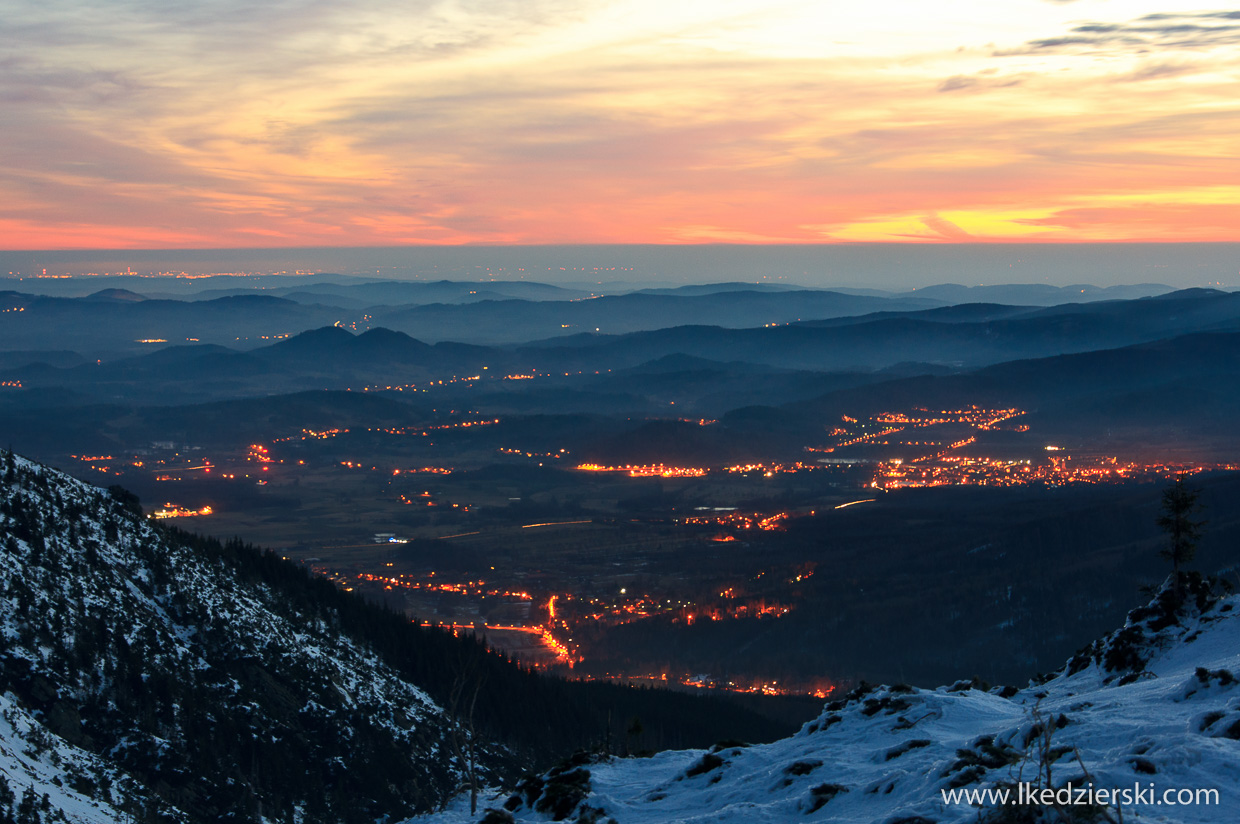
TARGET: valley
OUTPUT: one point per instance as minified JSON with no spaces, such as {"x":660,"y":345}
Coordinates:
{"x":653,"y":572}
{"x":765,"y":517}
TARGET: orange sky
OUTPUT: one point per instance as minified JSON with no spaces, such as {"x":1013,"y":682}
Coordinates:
{"x":304,"y":122}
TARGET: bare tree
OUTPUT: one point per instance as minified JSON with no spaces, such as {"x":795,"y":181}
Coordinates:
{"x":462,"y":701}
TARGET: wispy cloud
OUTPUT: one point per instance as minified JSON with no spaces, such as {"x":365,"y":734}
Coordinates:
{"x":982,"y":81}
{"x":1176,"y":31}
{"x":444,"y":121}
{"x":946,"y":228}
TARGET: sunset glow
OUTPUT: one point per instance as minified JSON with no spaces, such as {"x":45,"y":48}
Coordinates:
{"x":226,"y":124}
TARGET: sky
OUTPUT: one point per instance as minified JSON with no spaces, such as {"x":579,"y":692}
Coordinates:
{"x":131,"y":124}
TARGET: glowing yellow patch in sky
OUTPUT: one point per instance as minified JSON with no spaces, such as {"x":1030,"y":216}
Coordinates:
{"x":616,"y":121}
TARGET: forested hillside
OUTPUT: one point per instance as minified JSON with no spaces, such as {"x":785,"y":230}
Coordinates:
{"x":161,"y":676}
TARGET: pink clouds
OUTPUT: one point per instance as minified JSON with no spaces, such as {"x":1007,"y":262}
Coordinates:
{"x":309,"y":123}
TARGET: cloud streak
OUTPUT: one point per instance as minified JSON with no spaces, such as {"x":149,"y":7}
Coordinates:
{"x":302,"y":122}
{"x":1187,"y":31}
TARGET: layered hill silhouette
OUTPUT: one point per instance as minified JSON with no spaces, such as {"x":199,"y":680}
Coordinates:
{"x":1179,"y":384}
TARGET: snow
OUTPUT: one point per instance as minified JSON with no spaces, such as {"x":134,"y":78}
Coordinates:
{"x":894,"y":751}
{"x":30,"y":757}
{"x":77,"y":579}
{"x":1155,"y":705}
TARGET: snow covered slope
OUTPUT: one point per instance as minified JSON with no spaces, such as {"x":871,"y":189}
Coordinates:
{"x":143,"y":677}
{"x":35,"y":765}
{"x":1155,"y":707}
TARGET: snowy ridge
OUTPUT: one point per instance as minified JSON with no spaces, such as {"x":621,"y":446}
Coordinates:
{"x":34,"y":763}
{"x":139,"y":677}
{"x":1155,"y":707}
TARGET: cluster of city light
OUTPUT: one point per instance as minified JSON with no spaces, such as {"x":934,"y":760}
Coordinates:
{"x":170,"y":510}
{"x":758,"y":687}
{"x":753,"y":608}
{"x":507,"y":451}
{"x":206,"y":466}
{"x":562,"y":652}
{"x":695,"y":421}
{"x":817,"y":689}
{"x":407,"y":501}
{"x":424,"y":431}
{"x":648,"y":470}
{"x":921,"y":418}
{"x":259,"y":454}
{"x":771,"y":469}
{"x":744,"y":520}
{"x":612,"y":612}
{"x":475,"y":588}
{"x":803,"y":575}
{"x":464,"y":424}
{"x":312,"y":435}
{"x":413,"y":387}
{"x":963,"y":442}
{"x":425,"y":500}
{"x":11,"y":384}
{"x":1055,"y":471}
{"x":974,"y":416}
{"x":555,"y":632}
{"x":860,"y":439}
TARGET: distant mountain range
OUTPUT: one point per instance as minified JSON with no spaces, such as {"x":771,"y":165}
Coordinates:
{"x":1167,"y":361}
{"x":1179,"y":384}
{"x":960,"y":336}
{"x":118,"y":316}
{"x":1111,"y":371}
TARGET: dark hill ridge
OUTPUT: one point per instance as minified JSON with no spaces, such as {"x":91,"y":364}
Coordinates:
{"x":380,"y":354}
{"x":116,"y":294}
{"x":877,"y":341}
{"x":102,"y":326}
{"x":958,"y":313}
{"x":408,"y":293}
{"x":1195,"y":292}
{"x":732,"y":286}
{"x":1039,"y":294}
{"x":516,"y":321}
{"x":964,"y":336}
{"x":935,"y":341}
{"x":678,"y":363}
{"x":1185,"y":310}
{"x":1181,"y":385}
{"x":942,"y":340}
{"x":327,"y":358}
{"x":60,"y":358}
